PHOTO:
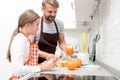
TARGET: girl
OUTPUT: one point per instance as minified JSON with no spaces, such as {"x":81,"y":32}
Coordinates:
{"x":22,"y":53}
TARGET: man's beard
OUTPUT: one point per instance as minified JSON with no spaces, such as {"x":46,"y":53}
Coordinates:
{"x":50,"y":18}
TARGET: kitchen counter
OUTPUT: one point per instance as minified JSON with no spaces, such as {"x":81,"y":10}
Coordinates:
{"x":89,"y":70}
{"x":83,"y":70}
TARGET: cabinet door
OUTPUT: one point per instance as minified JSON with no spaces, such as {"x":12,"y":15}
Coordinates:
{"x":66,"y":13}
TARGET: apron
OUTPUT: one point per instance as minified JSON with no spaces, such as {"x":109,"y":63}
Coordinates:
{"x":32,"y":61}
{"x":47,"y":42}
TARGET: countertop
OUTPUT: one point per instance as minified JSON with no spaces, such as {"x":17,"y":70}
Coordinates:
{"x":89,"y":69}
{"x":84,"y":70}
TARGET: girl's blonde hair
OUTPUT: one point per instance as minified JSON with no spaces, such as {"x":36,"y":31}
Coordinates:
{"x":29,"y":16}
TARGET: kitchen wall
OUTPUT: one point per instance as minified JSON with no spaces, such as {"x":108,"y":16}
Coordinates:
{"x":108,"y":47}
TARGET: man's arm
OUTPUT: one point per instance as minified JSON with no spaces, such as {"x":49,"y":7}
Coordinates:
{"x":62,"y":42}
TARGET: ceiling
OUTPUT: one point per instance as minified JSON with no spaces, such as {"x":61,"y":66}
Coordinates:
{"x":84,"y":9}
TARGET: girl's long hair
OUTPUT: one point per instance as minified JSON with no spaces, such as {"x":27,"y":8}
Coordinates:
{"x":29,"y":16}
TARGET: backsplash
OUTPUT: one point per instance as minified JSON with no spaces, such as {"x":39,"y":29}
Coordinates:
{"x":108,"y":48}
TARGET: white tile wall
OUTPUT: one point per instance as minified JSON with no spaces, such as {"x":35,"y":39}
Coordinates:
{"x":108,"y":48}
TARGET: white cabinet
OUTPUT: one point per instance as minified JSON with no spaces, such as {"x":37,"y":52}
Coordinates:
{"x":66,"y":13}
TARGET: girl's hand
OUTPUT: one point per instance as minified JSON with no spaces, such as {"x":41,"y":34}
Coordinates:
{"x":49,"y":56}
{"x":47,"y":65}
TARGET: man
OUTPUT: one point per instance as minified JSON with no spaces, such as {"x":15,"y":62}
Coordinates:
{"x":51,"y":31}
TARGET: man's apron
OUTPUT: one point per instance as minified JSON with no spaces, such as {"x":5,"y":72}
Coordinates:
{"x":47,"y":42}
{"x":32,"y":61}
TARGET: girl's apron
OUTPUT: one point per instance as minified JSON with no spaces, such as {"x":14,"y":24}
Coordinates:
{"x":47,"y":42}
{"x":32,"y":61}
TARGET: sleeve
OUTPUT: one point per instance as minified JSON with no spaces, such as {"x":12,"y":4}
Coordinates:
{"x":19,"y":50}
{"x":60,"y":25}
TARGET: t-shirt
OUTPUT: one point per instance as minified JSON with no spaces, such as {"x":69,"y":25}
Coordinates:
{"x":50,"y":28}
